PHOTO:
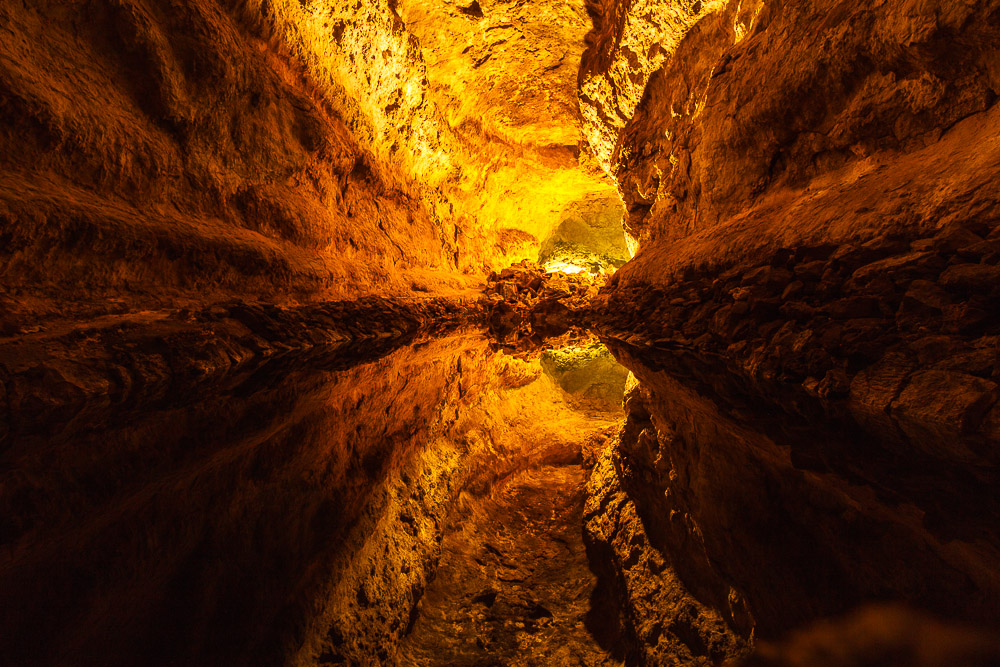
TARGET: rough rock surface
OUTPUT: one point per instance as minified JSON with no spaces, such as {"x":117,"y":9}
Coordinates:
{"x":158,"y":154}
{"x":524,"y":299}
{"x":195,"y":192}
{"x":629,"y":41}
{"x":167,"y":155}
{"x":474,"y":102}
{"x":811,"y":189}
{"x":514,"y":583}
{"x":905,"y":332}
{"x":145,"y":359}
{"x":780,"y":123}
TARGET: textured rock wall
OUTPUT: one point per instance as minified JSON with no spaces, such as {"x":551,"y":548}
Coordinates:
{"x":145,"y":359}
{"x":811,"y":188}
{"x":157,"y":154}
{"x":475,"y":102}
{"x":905,"y":333}
{"x":629,"y":41}
{"x":783,"y":123}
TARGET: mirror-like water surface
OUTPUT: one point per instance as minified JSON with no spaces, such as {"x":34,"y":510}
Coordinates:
{"x":430,"y":505}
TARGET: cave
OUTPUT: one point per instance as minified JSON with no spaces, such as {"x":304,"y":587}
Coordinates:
{"x":434,"y":332}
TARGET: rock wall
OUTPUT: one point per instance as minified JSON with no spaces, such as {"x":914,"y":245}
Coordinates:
{"x":811,"y":188}
{"x":162,"y":154}
{"x":780,"y":124}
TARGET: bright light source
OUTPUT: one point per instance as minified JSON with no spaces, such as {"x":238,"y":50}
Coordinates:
{"x":564,"y":267}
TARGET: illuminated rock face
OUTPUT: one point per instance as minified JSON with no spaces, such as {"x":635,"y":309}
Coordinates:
{"x":164,"y":154}
{"x":158,"y":155}
{"x":781,"y":124}
{"x":476,"y":103}
{"x":630,"y":41}
{"x":813,"y":191}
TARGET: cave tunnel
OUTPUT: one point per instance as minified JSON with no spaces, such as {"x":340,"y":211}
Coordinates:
{"x":538,"y":333}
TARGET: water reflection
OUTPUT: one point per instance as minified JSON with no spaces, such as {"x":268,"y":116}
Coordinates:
{"x":766,"y":495}
{"x":296,"y":514}
{"x":219,"y":532}
{"x":589,"y":374}
{"x":293,"y":515}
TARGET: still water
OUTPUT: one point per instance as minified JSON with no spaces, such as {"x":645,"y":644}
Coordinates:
{"x":423,"y":505}
{"x":296,"y":512}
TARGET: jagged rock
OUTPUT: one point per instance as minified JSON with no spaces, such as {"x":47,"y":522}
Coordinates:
{"x":936,"y":408}
{"x":980,"y":277}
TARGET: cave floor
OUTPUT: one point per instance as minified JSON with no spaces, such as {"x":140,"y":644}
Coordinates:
{"x":513,"y":586}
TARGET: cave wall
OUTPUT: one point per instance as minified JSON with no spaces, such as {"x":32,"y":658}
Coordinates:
{"x":778,"y":124}
{"x":811,"y":192}
{"x":158,"y":154}
{"x":812,"y":189}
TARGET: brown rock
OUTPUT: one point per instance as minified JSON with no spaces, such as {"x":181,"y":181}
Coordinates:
{"x":875,"y":388}
{"x":508,"y":291}
{"x":927,"y":294}
{"x":792,"y":289}
{"x":835,"y":383}
{"x":950,"y":239}
{"x":936,"y":407}
{"x":965,"y":318}
{"x":811,"y":271}
{"x":769,"y":277}
{"x":933,"y":349}
{"x":971,"y":277}
{"x":855,"y":307}
{"x":900,"y":267}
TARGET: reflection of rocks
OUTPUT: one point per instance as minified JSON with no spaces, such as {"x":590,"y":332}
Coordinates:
{"x":773,"y":508}
{"x":881,"y":635}
{"x":238,"y":529}
{"x":662,"y":622}
{"x":160,"y":357}
{"x":293,"y":516}
{"x":514,"y":586}
{"x":590,"y":376}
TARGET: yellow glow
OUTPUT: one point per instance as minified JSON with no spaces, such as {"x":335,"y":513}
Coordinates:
{"x":562,"y":267}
